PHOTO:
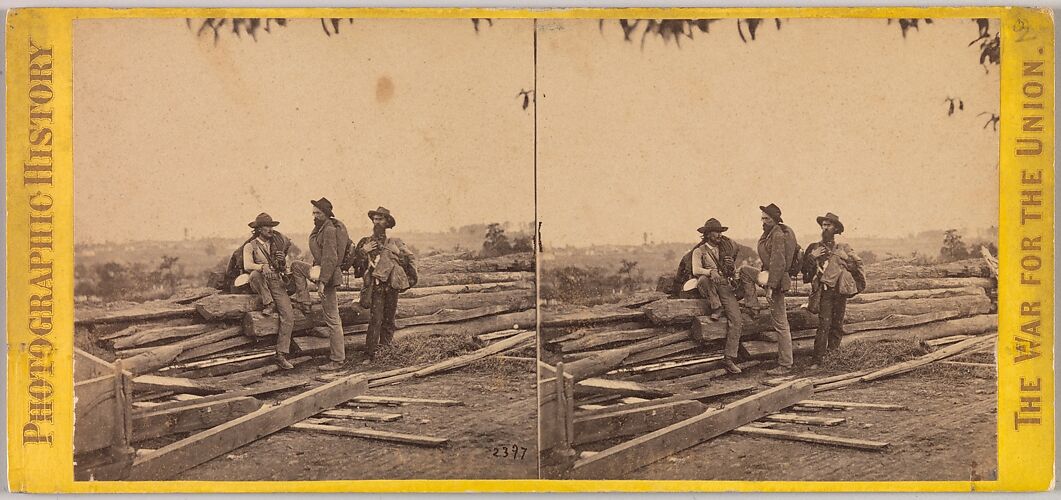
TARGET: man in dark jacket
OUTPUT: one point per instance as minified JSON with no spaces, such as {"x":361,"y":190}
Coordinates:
{"x":712,"y":265}
{"x":777,"y":249}
{"x":823,"y":265}
{"x":327,"y":244}
{"x":388,"y":268}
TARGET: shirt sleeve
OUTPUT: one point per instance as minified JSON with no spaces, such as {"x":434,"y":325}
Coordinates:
{"x":248,"y":258}
{"x":697,"y":259}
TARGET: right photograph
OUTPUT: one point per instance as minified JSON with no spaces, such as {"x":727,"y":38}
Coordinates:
{"x":768,"y":248}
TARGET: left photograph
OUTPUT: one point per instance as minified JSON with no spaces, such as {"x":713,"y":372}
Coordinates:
{"x":304,"y":249}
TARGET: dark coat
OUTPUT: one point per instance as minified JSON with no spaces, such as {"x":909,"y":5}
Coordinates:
{"x":328,"y":243}
{"x":776,"y":251}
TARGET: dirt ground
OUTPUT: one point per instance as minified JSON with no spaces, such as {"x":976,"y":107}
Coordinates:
{"x":948,"y":432}
{"x":499,"y":410}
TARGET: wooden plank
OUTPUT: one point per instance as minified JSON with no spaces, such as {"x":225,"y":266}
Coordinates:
{"x":621,"y":387}
{"x":156,"y":383}
{"x":163,"y":422}
{"x":366,"y":433}
{"x":600,"y":426}
{"x":969,"y":364}
{"x":370,"y":416}
{"x":87,"y":366}
{"x":161,"y":334}
{"x":849,"y":405}
{"x":250,"y":391}
{"x":698,"y":365}
{"x":595,"y":315}
{"x":661,"y":352}
{"x":602,"y":339}
{"x":946,"y":340}
{"x":136,"y":315}
{"x":675,"y":311}
{"x":970,"y":268}
{"x":503,"y":334}
{"x":792,"y":418}
{"x":182,"y":455}
{"x":703,"y":395}
{"x":205,"y":339}
{"x":443,"y":279}
{"x":152,"y":360}
{"x":807,"y":437}
{"x":239,"y":379}
{"x":213,"y":348}
{"x":692,"y":382}
{"x":396,"y":400}
{"x":631,"y":455}
{"x":93,"y":411}
{"x":219,"y":369}
{"x":149,"y":325}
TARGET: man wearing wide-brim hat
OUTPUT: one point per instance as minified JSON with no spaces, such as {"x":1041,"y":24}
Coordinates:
{"x":831,"y":268}
{"x":388,"y":268}
{"x":265,"y":257}
{"x":328,"y":244}
{"x":712,"y":266}
{"x":778,"y":251}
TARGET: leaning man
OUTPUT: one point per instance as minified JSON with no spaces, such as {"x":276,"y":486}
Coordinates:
{"x":327,"y":243}
{"x":777,"y":250}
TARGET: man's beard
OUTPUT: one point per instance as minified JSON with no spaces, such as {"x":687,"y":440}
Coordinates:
{"x":379,"y":230}
{"x":828,"y":235}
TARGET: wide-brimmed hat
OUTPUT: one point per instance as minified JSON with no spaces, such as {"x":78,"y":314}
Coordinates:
{"x":386,"y":214}
{"x":712,"y":225}
{"x":834,"y":219}
{"x":324,"y":205}
{"x":263,"y":219}
{"x":773,"y":211}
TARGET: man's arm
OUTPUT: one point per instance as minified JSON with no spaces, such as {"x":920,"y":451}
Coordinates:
{"x":776,"y":267}
{"x":329,"y":252}
{"x":248,"y":259}
{"x":698,"y":263}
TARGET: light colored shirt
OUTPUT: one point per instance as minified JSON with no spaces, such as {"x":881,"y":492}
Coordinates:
{"x":256,"y":255}
{"x":705,"y":260}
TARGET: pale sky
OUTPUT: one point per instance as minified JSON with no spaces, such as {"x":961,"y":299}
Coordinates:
{"x":420,"y":116}
{"x":824,"y":115}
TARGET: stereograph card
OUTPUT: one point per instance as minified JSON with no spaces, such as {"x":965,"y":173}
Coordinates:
{"x":442,"y":250}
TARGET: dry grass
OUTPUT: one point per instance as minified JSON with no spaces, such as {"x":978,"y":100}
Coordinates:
{"x":426,"y":349}
{"x":862,"y":355}
{"x":429,"y":349}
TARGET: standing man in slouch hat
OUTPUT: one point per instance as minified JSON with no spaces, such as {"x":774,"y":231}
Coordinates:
{"x":824,"y":266}
{"x":778,"y":251}
{"x":388,"y":268}
{"x":328,"y":244}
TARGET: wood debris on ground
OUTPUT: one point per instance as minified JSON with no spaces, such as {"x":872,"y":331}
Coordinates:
{"x":666,"y":352}
{"x":195,"y":371}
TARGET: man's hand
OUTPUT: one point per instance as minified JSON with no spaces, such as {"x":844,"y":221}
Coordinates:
{"x":817,"y":252}
{"x":371,"y":246}
{"x":269,"y":273}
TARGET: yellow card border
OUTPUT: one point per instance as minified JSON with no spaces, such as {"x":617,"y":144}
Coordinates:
{"x":40,"y":361}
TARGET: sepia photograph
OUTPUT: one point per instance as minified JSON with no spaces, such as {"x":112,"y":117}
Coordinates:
{"x":304,"y":249}
{"x":769,"y":248}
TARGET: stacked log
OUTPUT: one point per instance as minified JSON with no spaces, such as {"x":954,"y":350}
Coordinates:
{"x":226,"y":338}
{"x":670,"y":349}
